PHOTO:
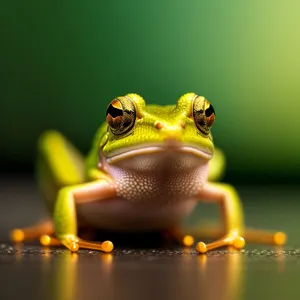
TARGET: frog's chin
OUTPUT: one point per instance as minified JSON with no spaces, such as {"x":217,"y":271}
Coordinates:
{"x":156,"y":149}
{"x":164,"y":173}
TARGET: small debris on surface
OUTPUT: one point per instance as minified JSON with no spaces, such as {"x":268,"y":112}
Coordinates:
{"x":37,"y":250}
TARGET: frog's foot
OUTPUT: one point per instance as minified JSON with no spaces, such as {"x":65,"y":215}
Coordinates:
{"x":73,"y":243}
{"x":265,"y":237}
{"x":34,"y":232}
{"x":232,"y":239}
{"x":256,"y":236}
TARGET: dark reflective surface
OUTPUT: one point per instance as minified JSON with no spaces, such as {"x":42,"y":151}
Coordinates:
{"x":258,"y":272}
{"x":35,"y":273}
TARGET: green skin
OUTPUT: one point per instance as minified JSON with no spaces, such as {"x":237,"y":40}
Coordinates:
{"x":99,"y":185}
{"x":145,"y":133}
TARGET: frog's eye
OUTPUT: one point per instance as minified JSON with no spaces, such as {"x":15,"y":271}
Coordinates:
{"x":120,"y":115}
{"x":203,"y":114}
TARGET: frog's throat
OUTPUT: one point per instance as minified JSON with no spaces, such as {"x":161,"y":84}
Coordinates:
{"x":158,"y":149}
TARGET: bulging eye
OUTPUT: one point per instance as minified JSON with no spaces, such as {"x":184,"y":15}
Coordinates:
{"x":203,"y":114}
{"x":121,"y":115}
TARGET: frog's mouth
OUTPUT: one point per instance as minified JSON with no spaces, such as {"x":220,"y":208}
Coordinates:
{"x":167,"y":147}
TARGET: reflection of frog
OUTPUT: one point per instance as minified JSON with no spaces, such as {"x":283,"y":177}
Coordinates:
{"x":147,"y":169}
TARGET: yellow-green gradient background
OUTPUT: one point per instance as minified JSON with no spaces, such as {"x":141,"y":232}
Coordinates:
{"x":63,"y":61}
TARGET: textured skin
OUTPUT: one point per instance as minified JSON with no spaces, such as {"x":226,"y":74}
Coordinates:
{"x":148,"y":167}
{"x":145,"y":133}
{"x":161,"y":177}
{"x":169,"y":176}
{"x":147,"y":178}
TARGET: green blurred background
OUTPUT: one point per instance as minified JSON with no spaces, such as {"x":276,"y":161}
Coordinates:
{"x":62,"y":62}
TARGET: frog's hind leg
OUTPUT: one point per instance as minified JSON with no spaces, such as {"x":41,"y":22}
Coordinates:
{"x":255,"y":236}
{"x":44,"y":227}
{"x":59,"y":164}
{"x":187,"y":236}
{"x":277,"y":238}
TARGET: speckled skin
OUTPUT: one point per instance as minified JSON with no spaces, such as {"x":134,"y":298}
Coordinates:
{"x":154,"y":191}
{"x":146,"y":134}
{"x":161,"y":170}
{"x":169,"y":176}
{"x":148,"y":167}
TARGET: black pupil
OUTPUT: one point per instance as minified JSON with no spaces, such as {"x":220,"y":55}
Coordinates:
{"x":127,"y":123}
{"x":209,"y":111}
{"x":201,"y":122}
{"x":114,"y":112}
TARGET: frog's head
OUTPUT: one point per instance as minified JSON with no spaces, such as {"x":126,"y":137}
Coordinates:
{"x":136,"y":128}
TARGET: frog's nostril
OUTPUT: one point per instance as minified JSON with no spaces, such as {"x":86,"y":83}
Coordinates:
{"x":159,"y":125}
{"x":182,"y":124}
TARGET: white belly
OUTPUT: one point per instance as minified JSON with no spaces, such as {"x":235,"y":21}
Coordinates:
{"x":160,"y":177}
{"x":156,"y":188}
{"x":120,"y":214}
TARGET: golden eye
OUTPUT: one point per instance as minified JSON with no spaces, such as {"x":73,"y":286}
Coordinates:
{"x":203,"y":114}
{"x":120,"y":115}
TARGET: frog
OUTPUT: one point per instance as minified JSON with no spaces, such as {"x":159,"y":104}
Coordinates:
{"x":148,"y":167}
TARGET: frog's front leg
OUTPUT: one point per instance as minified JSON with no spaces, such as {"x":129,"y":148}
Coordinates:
{"x":65,"y":222}
{"x":232,"y":212}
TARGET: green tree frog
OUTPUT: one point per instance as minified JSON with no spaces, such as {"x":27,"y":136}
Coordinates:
{"x":148,"y":167}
